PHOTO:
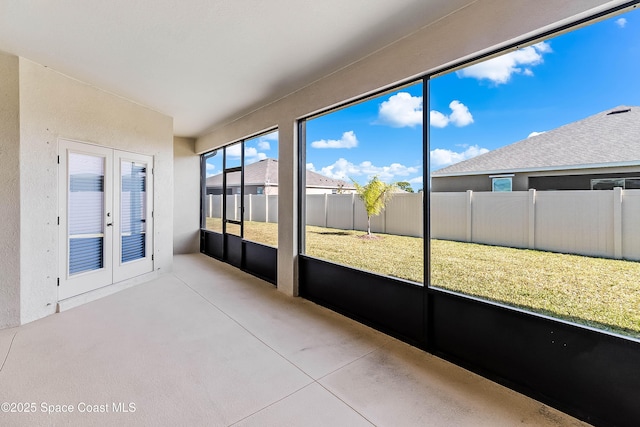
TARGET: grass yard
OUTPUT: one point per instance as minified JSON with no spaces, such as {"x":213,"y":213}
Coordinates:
{"x":598,"y":292}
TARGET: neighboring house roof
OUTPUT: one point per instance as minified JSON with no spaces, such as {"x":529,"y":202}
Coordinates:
{"x":265,"y":172}
{"x":609,"y":138}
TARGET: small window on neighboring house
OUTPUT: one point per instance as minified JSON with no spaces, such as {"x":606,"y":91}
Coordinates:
{"x":260,"y":190}
{"x":501,"y":183}
{"x":607,"y":183}
{"x":632,"y":183}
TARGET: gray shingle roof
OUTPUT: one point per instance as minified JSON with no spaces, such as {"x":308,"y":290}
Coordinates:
{"x":265,"y":172}
{"x":612,"y":136}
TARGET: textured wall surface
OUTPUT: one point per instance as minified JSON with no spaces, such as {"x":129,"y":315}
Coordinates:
{"x":186,"y":198}
{"x":9,"y":192}
{"x":55,"y":106}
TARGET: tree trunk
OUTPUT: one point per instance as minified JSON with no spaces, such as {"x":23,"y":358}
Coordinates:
{"x":368,"y":225}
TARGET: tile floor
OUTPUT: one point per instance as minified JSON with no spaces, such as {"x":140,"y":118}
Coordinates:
{"x":209,"y":345}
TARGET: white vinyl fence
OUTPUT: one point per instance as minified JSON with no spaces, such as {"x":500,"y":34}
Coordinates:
{"x":403,"y":215}
{"x":257,"y":207}
{"x":593,"y":223}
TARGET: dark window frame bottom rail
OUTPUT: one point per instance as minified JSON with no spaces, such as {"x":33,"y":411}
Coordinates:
{"x":254,"y":258}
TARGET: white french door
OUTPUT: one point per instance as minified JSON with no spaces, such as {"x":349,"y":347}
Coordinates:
{"x":106,"y":224}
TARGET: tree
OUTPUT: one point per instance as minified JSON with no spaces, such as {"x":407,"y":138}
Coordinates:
{"x":375,"y":195}
{"x":406,"y":186}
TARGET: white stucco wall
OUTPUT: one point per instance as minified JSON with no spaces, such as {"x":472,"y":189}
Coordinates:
{"x":55,"y":106}
{"x":186,"y":199}
{"x":478,"y":28}
{"x":9,"y":192}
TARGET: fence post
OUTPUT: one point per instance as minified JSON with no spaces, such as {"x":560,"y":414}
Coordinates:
{"x":326,"y":213}
{"x":469,"y":214}
{"x":422,"y":208}
{"x":532,"y":218}
{"x":353,"y":212}
{"x":266,"y":208}
{"x":384,"y":220}
{"x":617,"y":222}
{"x":235,"y":207}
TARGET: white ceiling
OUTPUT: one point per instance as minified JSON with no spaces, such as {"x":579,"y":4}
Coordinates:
{"x":204,"y":62}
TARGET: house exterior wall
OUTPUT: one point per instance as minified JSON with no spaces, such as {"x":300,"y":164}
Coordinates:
{"x":475,"y":183}
{"x":186,"y":197}
{"x":55,"y":106}
{"x":575,"y":182}
{"x":460,"y":183}
{"x":570,"y":179}
{"x":9,"y":191}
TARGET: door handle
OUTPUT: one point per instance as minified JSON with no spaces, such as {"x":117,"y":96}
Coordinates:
{"x":109,"y":224}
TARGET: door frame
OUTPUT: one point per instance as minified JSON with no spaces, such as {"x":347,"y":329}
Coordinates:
{"x":113,"y":270}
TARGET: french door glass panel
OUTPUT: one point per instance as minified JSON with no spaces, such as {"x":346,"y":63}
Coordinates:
{"x":133,"y":212}
{"x":85,"y":202}
{"x":133,"y":222}
{"x":86,"y":213}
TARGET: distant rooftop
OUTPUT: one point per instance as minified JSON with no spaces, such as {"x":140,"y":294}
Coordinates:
{"x":609,"y":137}
{"x":265,"y":172}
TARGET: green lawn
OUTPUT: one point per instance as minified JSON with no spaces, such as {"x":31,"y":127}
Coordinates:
{"x":598,"y":292}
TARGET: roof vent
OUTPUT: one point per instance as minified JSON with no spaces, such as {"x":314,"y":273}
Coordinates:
{"x":626,"y":110}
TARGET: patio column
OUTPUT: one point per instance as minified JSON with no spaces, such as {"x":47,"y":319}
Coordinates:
{"x":287,"y":281}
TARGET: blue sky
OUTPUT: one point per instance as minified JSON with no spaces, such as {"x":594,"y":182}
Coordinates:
{"x":482,"y":107}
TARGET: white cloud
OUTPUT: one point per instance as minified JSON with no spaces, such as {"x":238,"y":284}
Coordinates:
{"x":460,"y":116}
{"x":401,"y":110}
{"x":437,"y":119}
{"x":416,"y":180}
{"x":348,"y":140}
{"x":344,"y":169}
{"x":535,"y":134}
{"x":341,"y":169}
{"x":264,"y":142}
{"x":234,"y":151}
{"x":273,"y":136}
{"x":251,"y":154}
{"x":499,"y":70}
{"x":210,"y":169}
{"x":310,"y":167}
{"x":621,"y":22}
{"x":441,"y":157}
